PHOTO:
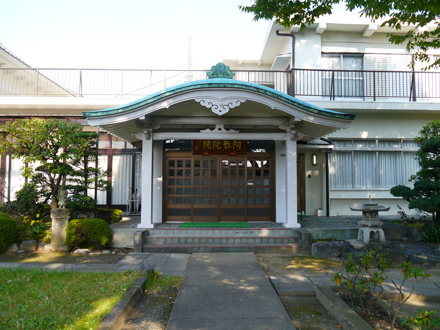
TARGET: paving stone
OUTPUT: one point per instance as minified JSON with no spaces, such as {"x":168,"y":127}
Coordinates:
{"x":157,"y":258}
{"x":53,"y":266}
{"x":73,"y":266}
{"x":128,"y":267}
{"x":224,"y":259}
{"x":295,"y":289}
{"x":180,"y":266}
{"x":217,"y":275}
{"x":172,"y":272}
{"x":96,"y":270}
{"x":289,"y":279}
{"x":9,"y":264}
{"x":257,"y":323}
{"x":32,"y":265}
{"x":133,"y":259}
{"x":146,"y":268}
{"x":101,"y":266}
{"x":197,"y":301}
{"x":321,"y":279}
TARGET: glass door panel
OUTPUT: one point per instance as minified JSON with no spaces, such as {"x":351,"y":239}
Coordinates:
{"x":233,"y":202}
{"x":259,"y":187}
{"x":205,"y":190}
{"x":178,"y":194}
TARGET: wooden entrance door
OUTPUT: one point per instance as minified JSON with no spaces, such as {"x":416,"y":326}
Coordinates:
{"x":219,"y":188}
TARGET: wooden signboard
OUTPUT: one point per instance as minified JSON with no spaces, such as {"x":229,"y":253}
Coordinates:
{"x":219,"y":147}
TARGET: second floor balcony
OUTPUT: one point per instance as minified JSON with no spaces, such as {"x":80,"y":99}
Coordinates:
{"x":306,"y":84}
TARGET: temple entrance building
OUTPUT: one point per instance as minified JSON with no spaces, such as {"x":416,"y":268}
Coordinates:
{"x":221,"y":149}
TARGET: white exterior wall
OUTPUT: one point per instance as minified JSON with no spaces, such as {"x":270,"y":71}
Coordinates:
{"x":348,"y":42}
{"x":313,"y":184}
{"x":308,"y":50}
{"x":385,"y":125}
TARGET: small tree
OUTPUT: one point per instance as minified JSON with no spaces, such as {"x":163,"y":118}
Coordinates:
{"x":51,"y":142}
{"x":425,"y":195}
{"x":85,"y":175}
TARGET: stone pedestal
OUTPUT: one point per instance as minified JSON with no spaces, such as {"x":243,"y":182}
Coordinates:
{"x":365,"y":234}
{"x":60,"y":219}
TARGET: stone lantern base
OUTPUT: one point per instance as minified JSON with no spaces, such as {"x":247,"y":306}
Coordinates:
{"x":364,"y":234}
{"x":60,"y":219}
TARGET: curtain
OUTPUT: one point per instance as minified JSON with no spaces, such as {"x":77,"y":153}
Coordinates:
{"x":390,"y":169}
{"x":390,"y":144}
{"x":364,"y":143}
{"x":121,"y":178}
{"x":138,"y":173}
{"x":343,"y":143}
{"x":411,"y":166}
{"x":340,"y":169}
{"x":364,"y":170}
{"x":102,"y":195}
{"x":17,"y":180}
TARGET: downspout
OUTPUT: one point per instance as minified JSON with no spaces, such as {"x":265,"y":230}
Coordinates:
{"x":327,"y":180}
{"x":292,"y":61}
{"x":95,"y":209}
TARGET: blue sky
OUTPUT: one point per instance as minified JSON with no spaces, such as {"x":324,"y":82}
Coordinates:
{"x":128,"y":34}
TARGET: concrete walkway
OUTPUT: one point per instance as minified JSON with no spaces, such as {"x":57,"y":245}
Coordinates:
{"x":169,"y":264}
{"x":227,"y":291}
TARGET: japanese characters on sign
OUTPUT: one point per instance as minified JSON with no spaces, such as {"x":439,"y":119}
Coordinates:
{"x":219,"y":147}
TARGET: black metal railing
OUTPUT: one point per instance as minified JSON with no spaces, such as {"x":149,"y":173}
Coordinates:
{"x":304,"y":83}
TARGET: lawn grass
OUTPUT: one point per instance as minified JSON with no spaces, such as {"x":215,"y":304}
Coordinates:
{"x":157,"y":283}
{"x":40,"y":299}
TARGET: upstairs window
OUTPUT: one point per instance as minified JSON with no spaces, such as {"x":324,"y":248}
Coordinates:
{"x":343,"y":77}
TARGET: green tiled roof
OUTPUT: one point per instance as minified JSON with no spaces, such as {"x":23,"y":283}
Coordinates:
{"x":216,"y":83}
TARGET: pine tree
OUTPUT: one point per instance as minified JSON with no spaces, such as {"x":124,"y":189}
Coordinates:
{"x":84,"y":176}
{"x":425,"y":195}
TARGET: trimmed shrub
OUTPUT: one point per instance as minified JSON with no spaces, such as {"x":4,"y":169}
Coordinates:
{"x":88,"y":233}
{"x":110,"y":215}
{"x":8,"y":230}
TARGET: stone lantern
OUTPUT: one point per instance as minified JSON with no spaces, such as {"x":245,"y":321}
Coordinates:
{"x":370,"y":225}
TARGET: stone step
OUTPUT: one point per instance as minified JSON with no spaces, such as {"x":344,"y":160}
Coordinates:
{"x":196,"y":248}
{"x":223,"y":232}
{"x":166,"y":240}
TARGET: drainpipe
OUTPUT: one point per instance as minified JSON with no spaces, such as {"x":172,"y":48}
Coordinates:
{"x":95,"y":209}
{"x":327,"y":180}
{"x":292,"y":61}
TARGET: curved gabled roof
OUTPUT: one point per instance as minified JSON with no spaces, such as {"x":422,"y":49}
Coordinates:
{"x":216,"y":83}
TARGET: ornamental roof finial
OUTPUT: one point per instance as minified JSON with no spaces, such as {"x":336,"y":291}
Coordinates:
{"x":220,"y":71}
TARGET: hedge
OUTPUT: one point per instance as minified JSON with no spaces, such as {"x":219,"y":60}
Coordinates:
{"x":109,"y":215}
{"x":88,"y":233}
{"x":8,"y":230}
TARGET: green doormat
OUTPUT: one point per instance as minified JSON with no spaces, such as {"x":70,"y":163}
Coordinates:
{"x":215,"y":225}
